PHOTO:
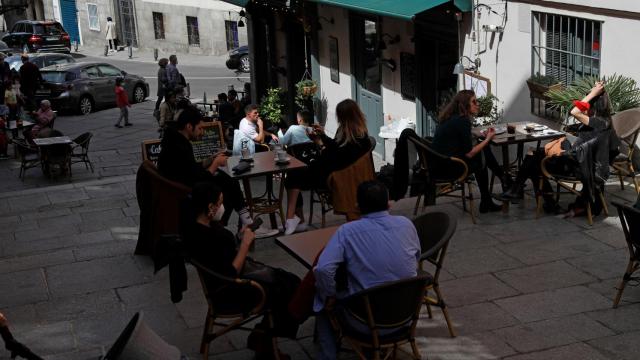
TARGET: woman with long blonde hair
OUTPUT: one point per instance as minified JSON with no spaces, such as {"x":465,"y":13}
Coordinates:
{"x":350,"y":143}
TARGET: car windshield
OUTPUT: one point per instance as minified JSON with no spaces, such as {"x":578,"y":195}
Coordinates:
{"x":48,"y":29}
{"x":57,"y":76}
{"x":14,"y":63}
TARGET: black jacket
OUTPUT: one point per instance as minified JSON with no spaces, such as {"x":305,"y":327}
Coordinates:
{"x":176,"y":161}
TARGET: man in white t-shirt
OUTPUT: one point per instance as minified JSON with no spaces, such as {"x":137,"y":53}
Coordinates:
{"x":253,"y":127}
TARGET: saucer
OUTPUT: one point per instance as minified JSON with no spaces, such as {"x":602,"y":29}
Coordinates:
{"x":283,"y":162}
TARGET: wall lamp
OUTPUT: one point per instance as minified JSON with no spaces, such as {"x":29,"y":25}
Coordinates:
{"x":459,"y":68}
{"x":392,"y":40}
{"x":328,"y":20}
{"x":242,"y":14}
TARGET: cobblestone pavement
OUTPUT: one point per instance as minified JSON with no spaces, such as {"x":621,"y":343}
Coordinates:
{"x":518,"y":287}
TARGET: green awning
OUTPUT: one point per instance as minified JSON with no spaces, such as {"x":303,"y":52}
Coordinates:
{"x":242,"y":3}
{"x":403,"y":9}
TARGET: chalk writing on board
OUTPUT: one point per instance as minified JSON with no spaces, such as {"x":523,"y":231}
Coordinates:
{"x":151,"y":150}
{"x":212,"y":141}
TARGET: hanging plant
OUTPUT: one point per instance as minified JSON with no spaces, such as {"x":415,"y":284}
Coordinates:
{"x":305,"y":90}
{"x":272,"y":106}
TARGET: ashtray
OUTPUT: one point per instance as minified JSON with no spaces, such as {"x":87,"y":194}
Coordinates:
{"x":284,"y":161}
{"x":250,"y":160}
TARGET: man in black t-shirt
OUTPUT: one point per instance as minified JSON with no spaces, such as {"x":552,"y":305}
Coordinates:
{"x":176,"y":162}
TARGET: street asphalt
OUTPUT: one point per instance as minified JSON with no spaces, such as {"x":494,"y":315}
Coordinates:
{"x":518,"y":287}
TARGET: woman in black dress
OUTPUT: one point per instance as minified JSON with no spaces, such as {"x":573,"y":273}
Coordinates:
{"x":453,"y":138}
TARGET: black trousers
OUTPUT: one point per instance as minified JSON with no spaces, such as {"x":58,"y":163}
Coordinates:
{"x":233,"y":199}
{"x":479,"y":166}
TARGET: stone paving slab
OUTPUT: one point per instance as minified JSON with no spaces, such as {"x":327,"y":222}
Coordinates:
{"x":517,"y":286}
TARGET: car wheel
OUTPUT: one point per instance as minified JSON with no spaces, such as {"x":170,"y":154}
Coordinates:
{"x":85,"y":105}
{"x":138,"y":94}
{"x":25,"y":49}
{"x":245,"y":65}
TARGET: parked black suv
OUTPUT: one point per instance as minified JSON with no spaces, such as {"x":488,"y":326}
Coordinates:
{"x":239,"y":59}
{"x":38,"y":36}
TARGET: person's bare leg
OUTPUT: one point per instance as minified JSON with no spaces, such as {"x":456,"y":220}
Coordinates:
{"x":292,"y":198}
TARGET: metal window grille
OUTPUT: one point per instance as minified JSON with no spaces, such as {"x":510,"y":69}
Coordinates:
{"x":564,"y":47}
{"x":127,"y":22}
{"x":158,"y":25}
{"x":192,"y":31}
{"x":231,"y":30}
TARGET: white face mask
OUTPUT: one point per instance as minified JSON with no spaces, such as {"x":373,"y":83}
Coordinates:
{"x":218,"y":215}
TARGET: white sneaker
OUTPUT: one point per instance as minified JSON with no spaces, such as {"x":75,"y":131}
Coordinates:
{"x":302,"y":227}
{"x":291,"y":224}
{"x":263,"y":232}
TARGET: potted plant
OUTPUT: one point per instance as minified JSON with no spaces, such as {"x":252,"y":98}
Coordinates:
{"x":489,"y":113}
{"x":305,"y":90}
{"x":541,"y":84}
{"x":623,"y":93}
{"x":272,"y":107}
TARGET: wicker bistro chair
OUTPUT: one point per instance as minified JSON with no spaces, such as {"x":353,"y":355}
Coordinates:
{"x":340,"y":194}
{"x":565,"y":185}
{"x":29,"y":156}
{"x":80,"y":150}
{"x":435,"y":228}
{"x":630,"y":219}
{"x":224,"y":304}
{"x":442,"y":176}
{"x":57,"y":156}
{"x":626,"y":124}
{"x":390,"y":313}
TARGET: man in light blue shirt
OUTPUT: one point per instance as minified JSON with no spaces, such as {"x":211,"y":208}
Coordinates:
{"x":297,"y":134}
{"x":376,"y":249}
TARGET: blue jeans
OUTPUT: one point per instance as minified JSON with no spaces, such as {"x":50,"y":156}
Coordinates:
{"x":326,"y":338}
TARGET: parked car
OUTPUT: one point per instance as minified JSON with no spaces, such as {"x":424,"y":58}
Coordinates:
{"x":38,"y":36}
{"x":4,"y":48}
{"x":40,"y":60}
{"x":239,"y":59}
{"x":84,"y":86}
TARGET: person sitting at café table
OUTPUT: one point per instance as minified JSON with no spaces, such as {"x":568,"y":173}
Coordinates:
{"x":299,"y":133}
{"x":594,"y":114}
{"x":226,"y":113}
{"x":374,"y":250}
{"x":211,"y":244}
{"x":42,"y":118}
{"x":350,"y":144}
{"x":453,"y":138}
{"x":252,"y":126}
{"x":176,"y":162}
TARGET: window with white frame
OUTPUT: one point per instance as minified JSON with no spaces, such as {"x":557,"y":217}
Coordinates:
{"x":565,"y":47}
{"x":92,"y":13}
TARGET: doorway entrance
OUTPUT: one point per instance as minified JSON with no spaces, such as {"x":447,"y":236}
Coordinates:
{"x":365,"y":36}
{"x":437,"y":51}
{"x":126,"y":14}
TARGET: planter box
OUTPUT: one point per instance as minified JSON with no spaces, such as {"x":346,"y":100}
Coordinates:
{"x":538,"y":90}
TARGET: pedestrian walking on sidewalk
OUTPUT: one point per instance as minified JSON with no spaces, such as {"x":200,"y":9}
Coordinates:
{"x":111,"y":34}
{"x":173,"y":75}
{"x":163,"y":81}
{"x":122,"y":100}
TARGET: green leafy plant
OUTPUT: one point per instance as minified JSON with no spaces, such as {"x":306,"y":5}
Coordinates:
{"x":623,"y":93}
{"x":489,"y":113}
{"x":272,"y":106}
{"x":545,"y":80}
{"x":305,"y":90}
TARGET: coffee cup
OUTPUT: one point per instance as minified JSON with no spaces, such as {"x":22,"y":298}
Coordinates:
{"x":511,"y":129}
{"x":281,"y":155}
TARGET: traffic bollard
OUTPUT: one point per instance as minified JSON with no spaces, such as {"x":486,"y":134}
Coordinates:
{"x":155,"y":54}
{"x":130,"y":52}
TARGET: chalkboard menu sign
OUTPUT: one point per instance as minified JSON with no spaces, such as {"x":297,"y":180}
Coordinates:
{"x":212,"y":141}
{"x":151,"y":150}
{"x":408,"y":76}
